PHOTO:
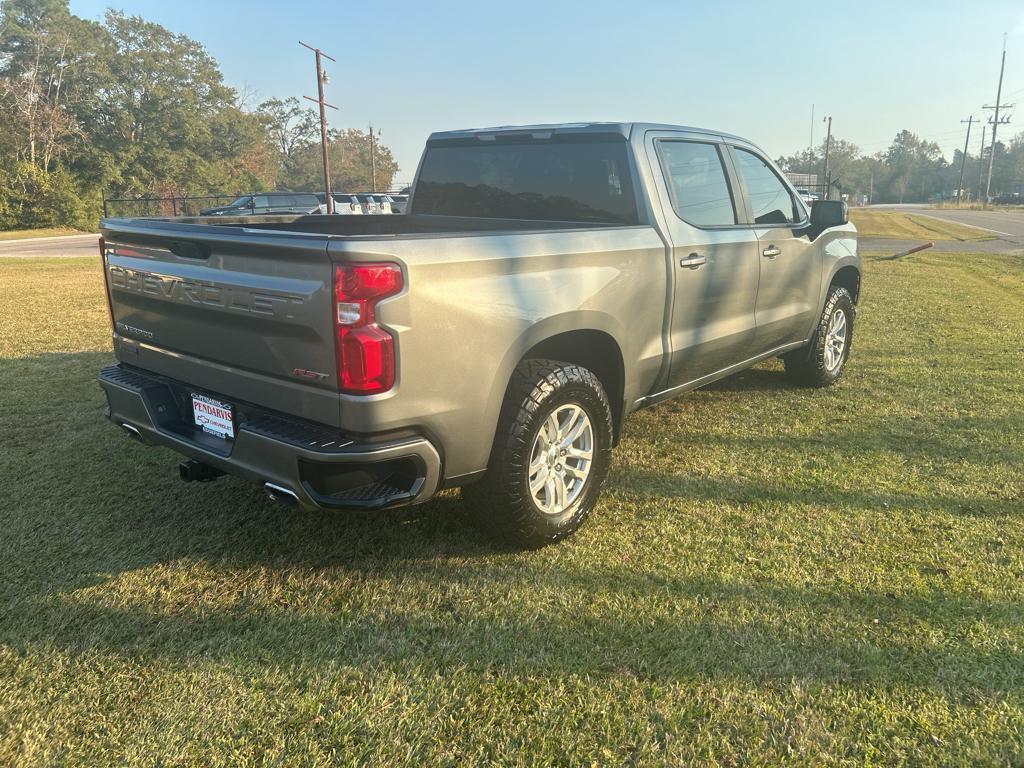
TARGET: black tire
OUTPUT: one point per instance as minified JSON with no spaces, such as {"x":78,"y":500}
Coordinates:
{"x":809,"y":366}
{"x":502,"y":502}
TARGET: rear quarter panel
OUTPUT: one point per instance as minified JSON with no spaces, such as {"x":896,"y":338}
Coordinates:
{"x":473,"y":305}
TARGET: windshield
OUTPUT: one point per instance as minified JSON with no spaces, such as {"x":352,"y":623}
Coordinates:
{"x":241,"y":201}
{"x":577,"y":181}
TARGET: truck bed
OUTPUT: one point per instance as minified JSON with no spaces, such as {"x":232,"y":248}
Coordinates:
{"x":357,"y":226}
{"x":243,"y":308}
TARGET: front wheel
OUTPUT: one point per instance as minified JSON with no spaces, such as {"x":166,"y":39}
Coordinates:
{"x":821,"y":362}
{"x":550,"y":455}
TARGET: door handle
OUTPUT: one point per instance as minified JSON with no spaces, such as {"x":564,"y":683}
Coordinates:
{"x":693,"y":261}
{"x":771,"y":252}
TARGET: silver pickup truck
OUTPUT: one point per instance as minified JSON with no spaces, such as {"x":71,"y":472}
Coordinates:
{"x":547,"y":281}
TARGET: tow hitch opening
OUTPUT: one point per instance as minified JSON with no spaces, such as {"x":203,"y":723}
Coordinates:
{"x":193,"y":471}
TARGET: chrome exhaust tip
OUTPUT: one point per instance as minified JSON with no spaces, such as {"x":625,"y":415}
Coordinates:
{"x":282,"y":495}
{"x":133,"y":432}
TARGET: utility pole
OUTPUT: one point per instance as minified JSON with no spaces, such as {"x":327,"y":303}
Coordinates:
{"x":811,"y":145}
{"x":981,"y":162}
{"x":373,"y":158}
{"x":828,"y":141}
{"x":963,"y":160}
{"x":321,"y":78}
{"x":996,"y":122}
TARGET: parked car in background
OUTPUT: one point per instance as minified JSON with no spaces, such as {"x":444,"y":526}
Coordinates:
{"x":806,"y":195}
{"x":375,"y":204}
{"x":546,"y":282}
{"x":399,"y":203}
{"x":347,"y":204}
{"x":344,"y":205}
{"x":266,"y":203}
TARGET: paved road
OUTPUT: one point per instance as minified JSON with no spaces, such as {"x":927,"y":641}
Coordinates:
{"x":1008,"y":225}
{"x":68,"y":245}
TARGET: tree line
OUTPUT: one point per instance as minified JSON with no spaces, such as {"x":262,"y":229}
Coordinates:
{"x":914,"y":170}
{"x":127,"y":107}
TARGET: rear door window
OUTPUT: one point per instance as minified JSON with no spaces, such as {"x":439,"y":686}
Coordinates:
{"x":770,"y":199}
{"x":697,"y":183}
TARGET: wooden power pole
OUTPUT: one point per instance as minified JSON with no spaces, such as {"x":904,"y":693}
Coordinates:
{"x":963,"y":159}
{"x":828,"y":141}
{"x":981,"y":162}
{"x":996,"y":122}
{"x":373,"y":159}
{"x":321,"y":78}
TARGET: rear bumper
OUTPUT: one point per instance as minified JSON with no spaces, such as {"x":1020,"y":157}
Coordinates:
{"x":319,"y":467}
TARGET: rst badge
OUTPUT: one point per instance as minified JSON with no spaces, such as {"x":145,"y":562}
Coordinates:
{"x":302,"y":373}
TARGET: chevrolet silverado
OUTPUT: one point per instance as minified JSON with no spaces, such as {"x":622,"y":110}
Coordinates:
{"x":546,"y":282}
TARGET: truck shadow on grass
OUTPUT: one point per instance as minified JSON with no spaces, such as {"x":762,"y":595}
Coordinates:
{"x":667,"y":629}
{"x":106,"y":551}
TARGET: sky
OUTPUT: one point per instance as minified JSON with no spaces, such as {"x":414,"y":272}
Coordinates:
{"x":748,"y":68}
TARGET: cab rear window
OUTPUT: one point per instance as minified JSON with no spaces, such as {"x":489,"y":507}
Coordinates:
{"x":587,"y":181}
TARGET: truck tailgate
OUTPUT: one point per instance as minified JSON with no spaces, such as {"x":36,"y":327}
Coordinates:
{"x":238,"y":312}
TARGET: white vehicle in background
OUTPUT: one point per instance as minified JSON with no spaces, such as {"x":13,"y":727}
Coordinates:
{"x":399,"y":203}
{"x":344,"y":205}
{"x":347,"y":205}
{"x":806,"y":195}
{"x":375,"y":204}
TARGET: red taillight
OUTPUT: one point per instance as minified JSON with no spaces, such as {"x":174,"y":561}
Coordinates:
{"x":365,"y":351}
{"x":106,"y":283}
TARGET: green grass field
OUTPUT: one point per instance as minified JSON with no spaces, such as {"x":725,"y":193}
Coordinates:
{"x":907,"y":226}
{"x":774,"y":575}
{"x":20,"y":234}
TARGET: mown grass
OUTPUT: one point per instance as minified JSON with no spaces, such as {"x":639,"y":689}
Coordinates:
{"x":774,"y":575}
{"x":20,"y":234}
{"x":907,"y":226}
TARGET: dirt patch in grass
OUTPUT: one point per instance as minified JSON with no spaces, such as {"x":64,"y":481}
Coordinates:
{"x":774,"y":575}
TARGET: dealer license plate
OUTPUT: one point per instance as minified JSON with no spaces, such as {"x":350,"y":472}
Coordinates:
{"x":213,"y":416}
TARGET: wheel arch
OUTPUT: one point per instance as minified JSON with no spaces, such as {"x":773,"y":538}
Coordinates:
{"x":595,"y":350}
{"x":847,"y":277}
{"x":584,"y":337}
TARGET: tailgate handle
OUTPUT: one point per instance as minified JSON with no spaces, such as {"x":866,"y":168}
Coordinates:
{"x":187,"y":250}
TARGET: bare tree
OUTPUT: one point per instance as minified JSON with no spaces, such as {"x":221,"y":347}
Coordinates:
{"x":32,"y":95}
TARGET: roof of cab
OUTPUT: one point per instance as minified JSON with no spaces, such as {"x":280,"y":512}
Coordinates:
{"x":547,"y":130}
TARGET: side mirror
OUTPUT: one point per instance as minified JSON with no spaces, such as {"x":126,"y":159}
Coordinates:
{"x":829,"y":213}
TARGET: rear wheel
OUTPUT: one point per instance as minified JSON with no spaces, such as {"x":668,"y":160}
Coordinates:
{"x":550,"y":456}
{"x":821,"y":362}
